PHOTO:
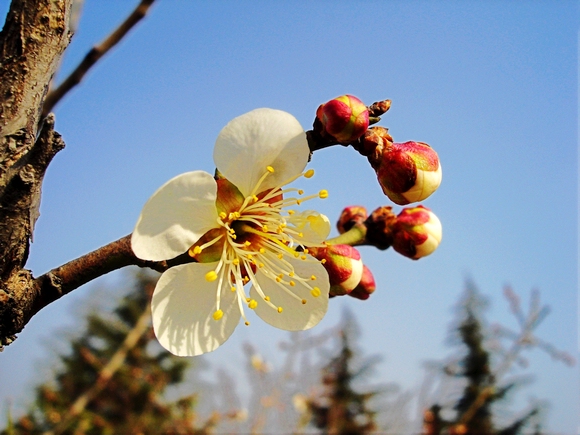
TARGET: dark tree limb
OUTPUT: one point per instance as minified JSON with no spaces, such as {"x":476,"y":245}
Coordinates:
{"x":94,"y":55}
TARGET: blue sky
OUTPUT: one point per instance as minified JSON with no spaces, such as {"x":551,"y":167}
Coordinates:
{"x":492,"y":86}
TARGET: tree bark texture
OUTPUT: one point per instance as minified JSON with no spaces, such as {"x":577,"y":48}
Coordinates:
{"x":32,"y":41}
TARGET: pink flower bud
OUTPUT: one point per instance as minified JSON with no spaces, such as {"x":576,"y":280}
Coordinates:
{"x":408,"y":172}
{"x":365,"y":287}
{"x":417,"y":232}
{"x":354,"y":214}
{"x":343,"y":264}
{"x":345,"y":118}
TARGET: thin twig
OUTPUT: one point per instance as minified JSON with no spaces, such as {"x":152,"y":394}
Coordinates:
{"x":94,"y":55}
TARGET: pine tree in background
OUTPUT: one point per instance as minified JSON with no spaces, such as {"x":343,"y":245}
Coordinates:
{"x":479,"y":372}
{"x":342,"y":410}
{"x":114,"y":379}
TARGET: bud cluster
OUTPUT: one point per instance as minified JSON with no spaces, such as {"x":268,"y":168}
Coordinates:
{"x":415,"y":232}
{"x":407,"y":172}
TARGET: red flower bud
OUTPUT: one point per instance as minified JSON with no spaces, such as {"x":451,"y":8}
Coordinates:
{"x":408,"y":172}
{"x":366,"y":286}
{"x":417,"y":232}
{"x":343,"y":264}
{"x":354,"y":214}
{"x":345,"y":118}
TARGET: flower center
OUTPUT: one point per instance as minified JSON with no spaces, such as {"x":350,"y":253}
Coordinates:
{"x":258,"y":235}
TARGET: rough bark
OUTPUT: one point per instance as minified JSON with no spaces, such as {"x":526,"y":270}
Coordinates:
{"x":32,"y":41}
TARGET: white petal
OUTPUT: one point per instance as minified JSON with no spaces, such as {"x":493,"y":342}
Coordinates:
{"x":182,"y":306}
{"x":257,"y":139}
{"x":176,"y":216}
{"x":295,"y":316}
{"x":314,"y":226}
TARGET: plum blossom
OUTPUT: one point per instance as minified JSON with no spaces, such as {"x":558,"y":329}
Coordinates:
{"x":241,"y":229}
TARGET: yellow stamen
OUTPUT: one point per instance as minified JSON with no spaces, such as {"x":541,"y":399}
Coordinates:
{"x":303,"y":301}
{"x":223,"y":215}
{"x":247,"y":323}
{"x":315,"y":292}
{"x":313,"y":278}
{"x":252,"y":304}
{"x":279,"y":309}
{"x":300,"y":192}
{"x":267,"y":298}
{"x":270,"y":169}
{"x":323,"y":194}
{"x":211,"y":276}
{"x":292,"y":283}
{"x":218,"y":314}
{"x":236,"y":261}
{"x":309,"y":173}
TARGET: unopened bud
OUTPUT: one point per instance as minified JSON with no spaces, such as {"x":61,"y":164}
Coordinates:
{"x":407,"y":172}
{"x":366,"y":286}
{"x":417,"y":232}
{"x":380,"y":227}
{"x":345,"y":118}
{"x":343,"y":264}
{"x":350,"y":216}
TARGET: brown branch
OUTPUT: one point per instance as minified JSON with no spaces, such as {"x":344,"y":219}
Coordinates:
{"x":93,"y":56}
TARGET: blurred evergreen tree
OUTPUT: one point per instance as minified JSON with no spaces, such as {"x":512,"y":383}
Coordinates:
{"x":479,"y":371}
{"x":114,"y":379}
{"x":341,"y":410}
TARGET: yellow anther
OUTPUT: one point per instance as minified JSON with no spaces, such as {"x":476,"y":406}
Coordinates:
{"x":265,"y":228}
{"x":231,"y":230}
{"x":231,"y":216}
{"x":260,"y":264}
{"x":279,"y":309}
{"x":233,"y":289}
{"x":280,"y":256}
{"x":323,"y":261}
{"x":218,"y":314}
{"x":246,"y":280}
{"x":303,"y":301}
{"x":250,"y":257}
{"x":223,"y":215}
{"x":291,"y":212}
{"x":247,"y":323}
{"x":234,"y":236}
{"x":315,"y":292}
{"x":262,"y":251}
{"x":300,"y":192}
{"x":267,"y":298}
{"x":291,"y":274}
{"x":247,"y":243}
{"x":237,"y":214}
{"x":313,"y":278}
{"x":252,"y":304}
{"x":279,"y":230}
{"x":292,"y":283}
{"x":236,"y":261}
{"x":278,"y":279}
{"x":303,"y":257}
{"x":306,"y":250}
{"x":323,"y":194}
{"x":270,"y":169}
{"x":248,"y":300}
{"x":300,"y":234}
{"x":211,"y":276}
{"x":298,"y":202}
{"x":309,"y":173}
{"x":296,"y":254}
{"x":255,"y":198}
{"x":197,"y":250}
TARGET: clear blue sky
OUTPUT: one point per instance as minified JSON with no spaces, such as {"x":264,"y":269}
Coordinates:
{"x":492,"y":86}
